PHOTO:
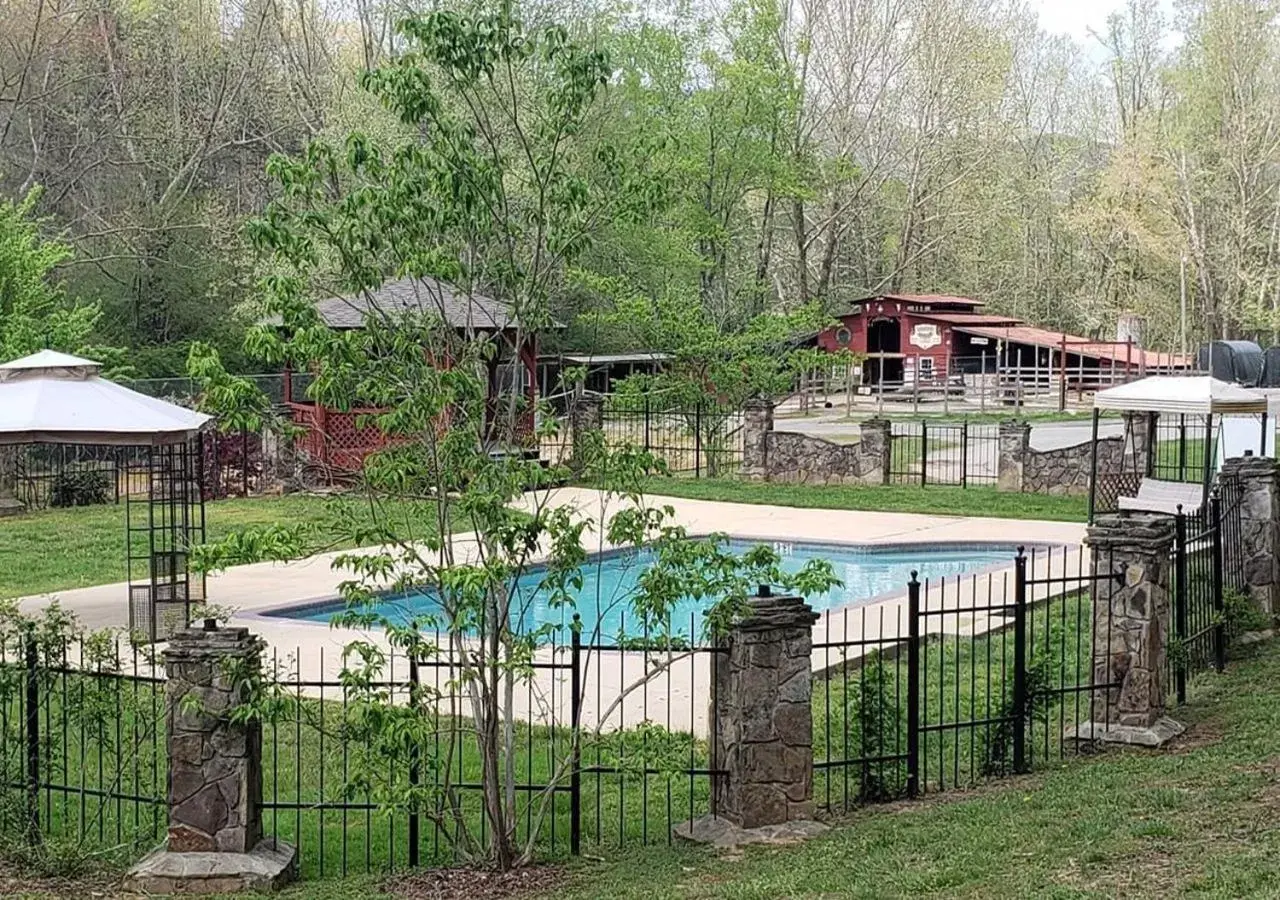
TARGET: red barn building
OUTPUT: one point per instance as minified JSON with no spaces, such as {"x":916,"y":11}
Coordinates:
{"x":334,"y":438}
{"x":933,"y":338}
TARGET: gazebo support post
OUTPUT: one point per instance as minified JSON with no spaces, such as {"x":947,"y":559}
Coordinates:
{"x":1208,"y":457}
{"x":1093,"y":465}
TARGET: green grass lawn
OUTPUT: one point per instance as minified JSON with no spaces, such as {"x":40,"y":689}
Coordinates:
{"x":1180,"y":461}
{"x":1195,"y":820}
{"x":933,"y":499}
{"x":59,"y":549}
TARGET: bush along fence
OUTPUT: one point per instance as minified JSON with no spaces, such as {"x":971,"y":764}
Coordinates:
{"x":44,"y":476}
{"x":790,"y":715}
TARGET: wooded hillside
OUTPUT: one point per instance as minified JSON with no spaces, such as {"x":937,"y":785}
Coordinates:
{"x":775,"y":153}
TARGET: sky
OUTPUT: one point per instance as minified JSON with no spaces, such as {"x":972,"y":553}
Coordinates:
{"x":1077,"y":17}
{"x":1082,"y":19}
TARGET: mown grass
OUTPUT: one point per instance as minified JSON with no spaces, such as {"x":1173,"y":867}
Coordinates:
{"x":1197,"y":819}
{"x":60,"y":549}
{"x":945,"y":500}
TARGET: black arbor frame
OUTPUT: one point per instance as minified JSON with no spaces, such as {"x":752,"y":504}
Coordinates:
{"x":164,"y":513}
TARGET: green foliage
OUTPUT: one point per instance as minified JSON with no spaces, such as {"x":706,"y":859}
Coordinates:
{"x":708,"y":361}
{"x":80,"y":487}
{"x":1241,"y":614}
{"x":34,"y":313}
{"x":501,"y":186}
{"x":881,"y":721}
{"x":238,"y":402}
{"x":77,"y":683}
{"x":1037,"y":702}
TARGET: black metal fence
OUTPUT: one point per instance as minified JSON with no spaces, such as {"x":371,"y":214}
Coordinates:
{"x":602,"y":756}
{"x":41,"y":476}
{"x":955,"y":453}
{"x":703,"y":440}
{"x":983,"y":675}
{"x":44,"y":476}
{"x":1184,"y":448}
{"x":82,"y":746}
{"x":971,"y":678}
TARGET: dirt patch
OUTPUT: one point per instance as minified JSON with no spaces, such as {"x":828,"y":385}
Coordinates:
{"x":448,"y":884}
{"x":1148,"y":874}
{"x":14,"y":884}
{"x":1204,"y":733}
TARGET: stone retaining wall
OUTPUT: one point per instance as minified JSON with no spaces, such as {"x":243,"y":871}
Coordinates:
{"x":1066,"y":470}
{"x":788,"y":456}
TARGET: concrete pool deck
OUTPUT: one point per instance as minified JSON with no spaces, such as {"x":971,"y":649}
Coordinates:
{"x":678,"y":696}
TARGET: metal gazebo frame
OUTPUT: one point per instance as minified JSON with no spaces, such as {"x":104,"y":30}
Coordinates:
{"x":1202,"y":399}
{"x":53,"y":398}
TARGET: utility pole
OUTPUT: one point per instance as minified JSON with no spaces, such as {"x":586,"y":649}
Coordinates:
{"x":1182,"y":292}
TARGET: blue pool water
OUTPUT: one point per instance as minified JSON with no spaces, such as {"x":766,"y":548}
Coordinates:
{"x":609,"y":582}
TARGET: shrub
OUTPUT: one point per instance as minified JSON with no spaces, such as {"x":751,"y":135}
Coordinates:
{"x":84,"y":487}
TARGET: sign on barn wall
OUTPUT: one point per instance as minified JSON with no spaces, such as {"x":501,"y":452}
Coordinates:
{"x":925,"y":336}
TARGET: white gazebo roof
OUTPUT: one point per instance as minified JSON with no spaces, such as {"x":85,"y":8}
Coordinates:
{"x":52,"y":397}
{"x":1192,"y":395}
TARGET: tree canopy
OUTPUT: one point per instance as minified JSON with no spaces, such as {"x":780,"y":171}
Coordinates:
{"x":762,"y":156}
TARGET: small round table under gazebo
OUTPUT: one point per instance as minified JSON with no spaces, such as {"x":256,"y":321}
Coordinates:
{"x":55,"y":399}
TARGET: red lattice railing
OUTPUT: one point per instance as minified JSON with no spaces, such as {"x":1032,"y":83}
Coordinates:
{"x":336,"y":440}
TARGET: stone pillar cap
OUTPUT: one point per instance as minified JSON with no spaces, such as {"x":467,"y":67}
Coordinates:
{"x":197,"y":642}
{"x":1251,"y":466}
{"x":768,"y":613}
{"x":1143,"y":531}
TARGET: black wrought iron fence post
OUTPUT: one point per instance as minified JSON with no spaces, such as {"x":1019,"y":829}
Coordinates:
{"x":924,"y":453}
{"x":1020,"y":662}
{"x":913,"y":686}
{"x":244,"y":462}
{"x":31,"y":713}
{"x":964,"y":453}
{"x":1181,"y":587}
{"x":415,"y":767}
{"x":646,"y":423}
{"x":575,"y":721}
{"x":697,"y":440}
{"x":1182,"y":447}
{"x":1219,"y":598}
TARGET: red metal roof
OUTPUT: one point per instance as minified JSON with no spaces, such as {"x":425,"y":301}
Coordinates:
{"x":922,"y":298}
{"x":1108,"y":350}
{"x":965,"y":318}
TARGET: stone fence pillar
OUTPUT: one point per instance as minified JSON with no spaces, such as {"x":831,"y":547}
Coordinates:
{"x":876,"y":448}
{"x":1131,"y":600}
{"x":586,"y":423}
{"x":757,"y":422}
{"x":1259,"y":498}
{"x":1138,"y":441}
{"x":762,"y":726}
{"x":215,"y":842}
{"x":1014,"y":443}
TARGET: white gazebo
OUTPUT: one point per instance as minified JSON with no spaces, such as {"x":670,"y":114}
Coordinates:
{"x":1199,"y":395}
{"x":1215,"y":413}
{"x":52,"y":399}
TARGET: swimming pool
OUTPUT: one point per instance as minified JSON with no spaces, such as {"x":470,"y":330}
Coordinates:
{"x":610,"y":579}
